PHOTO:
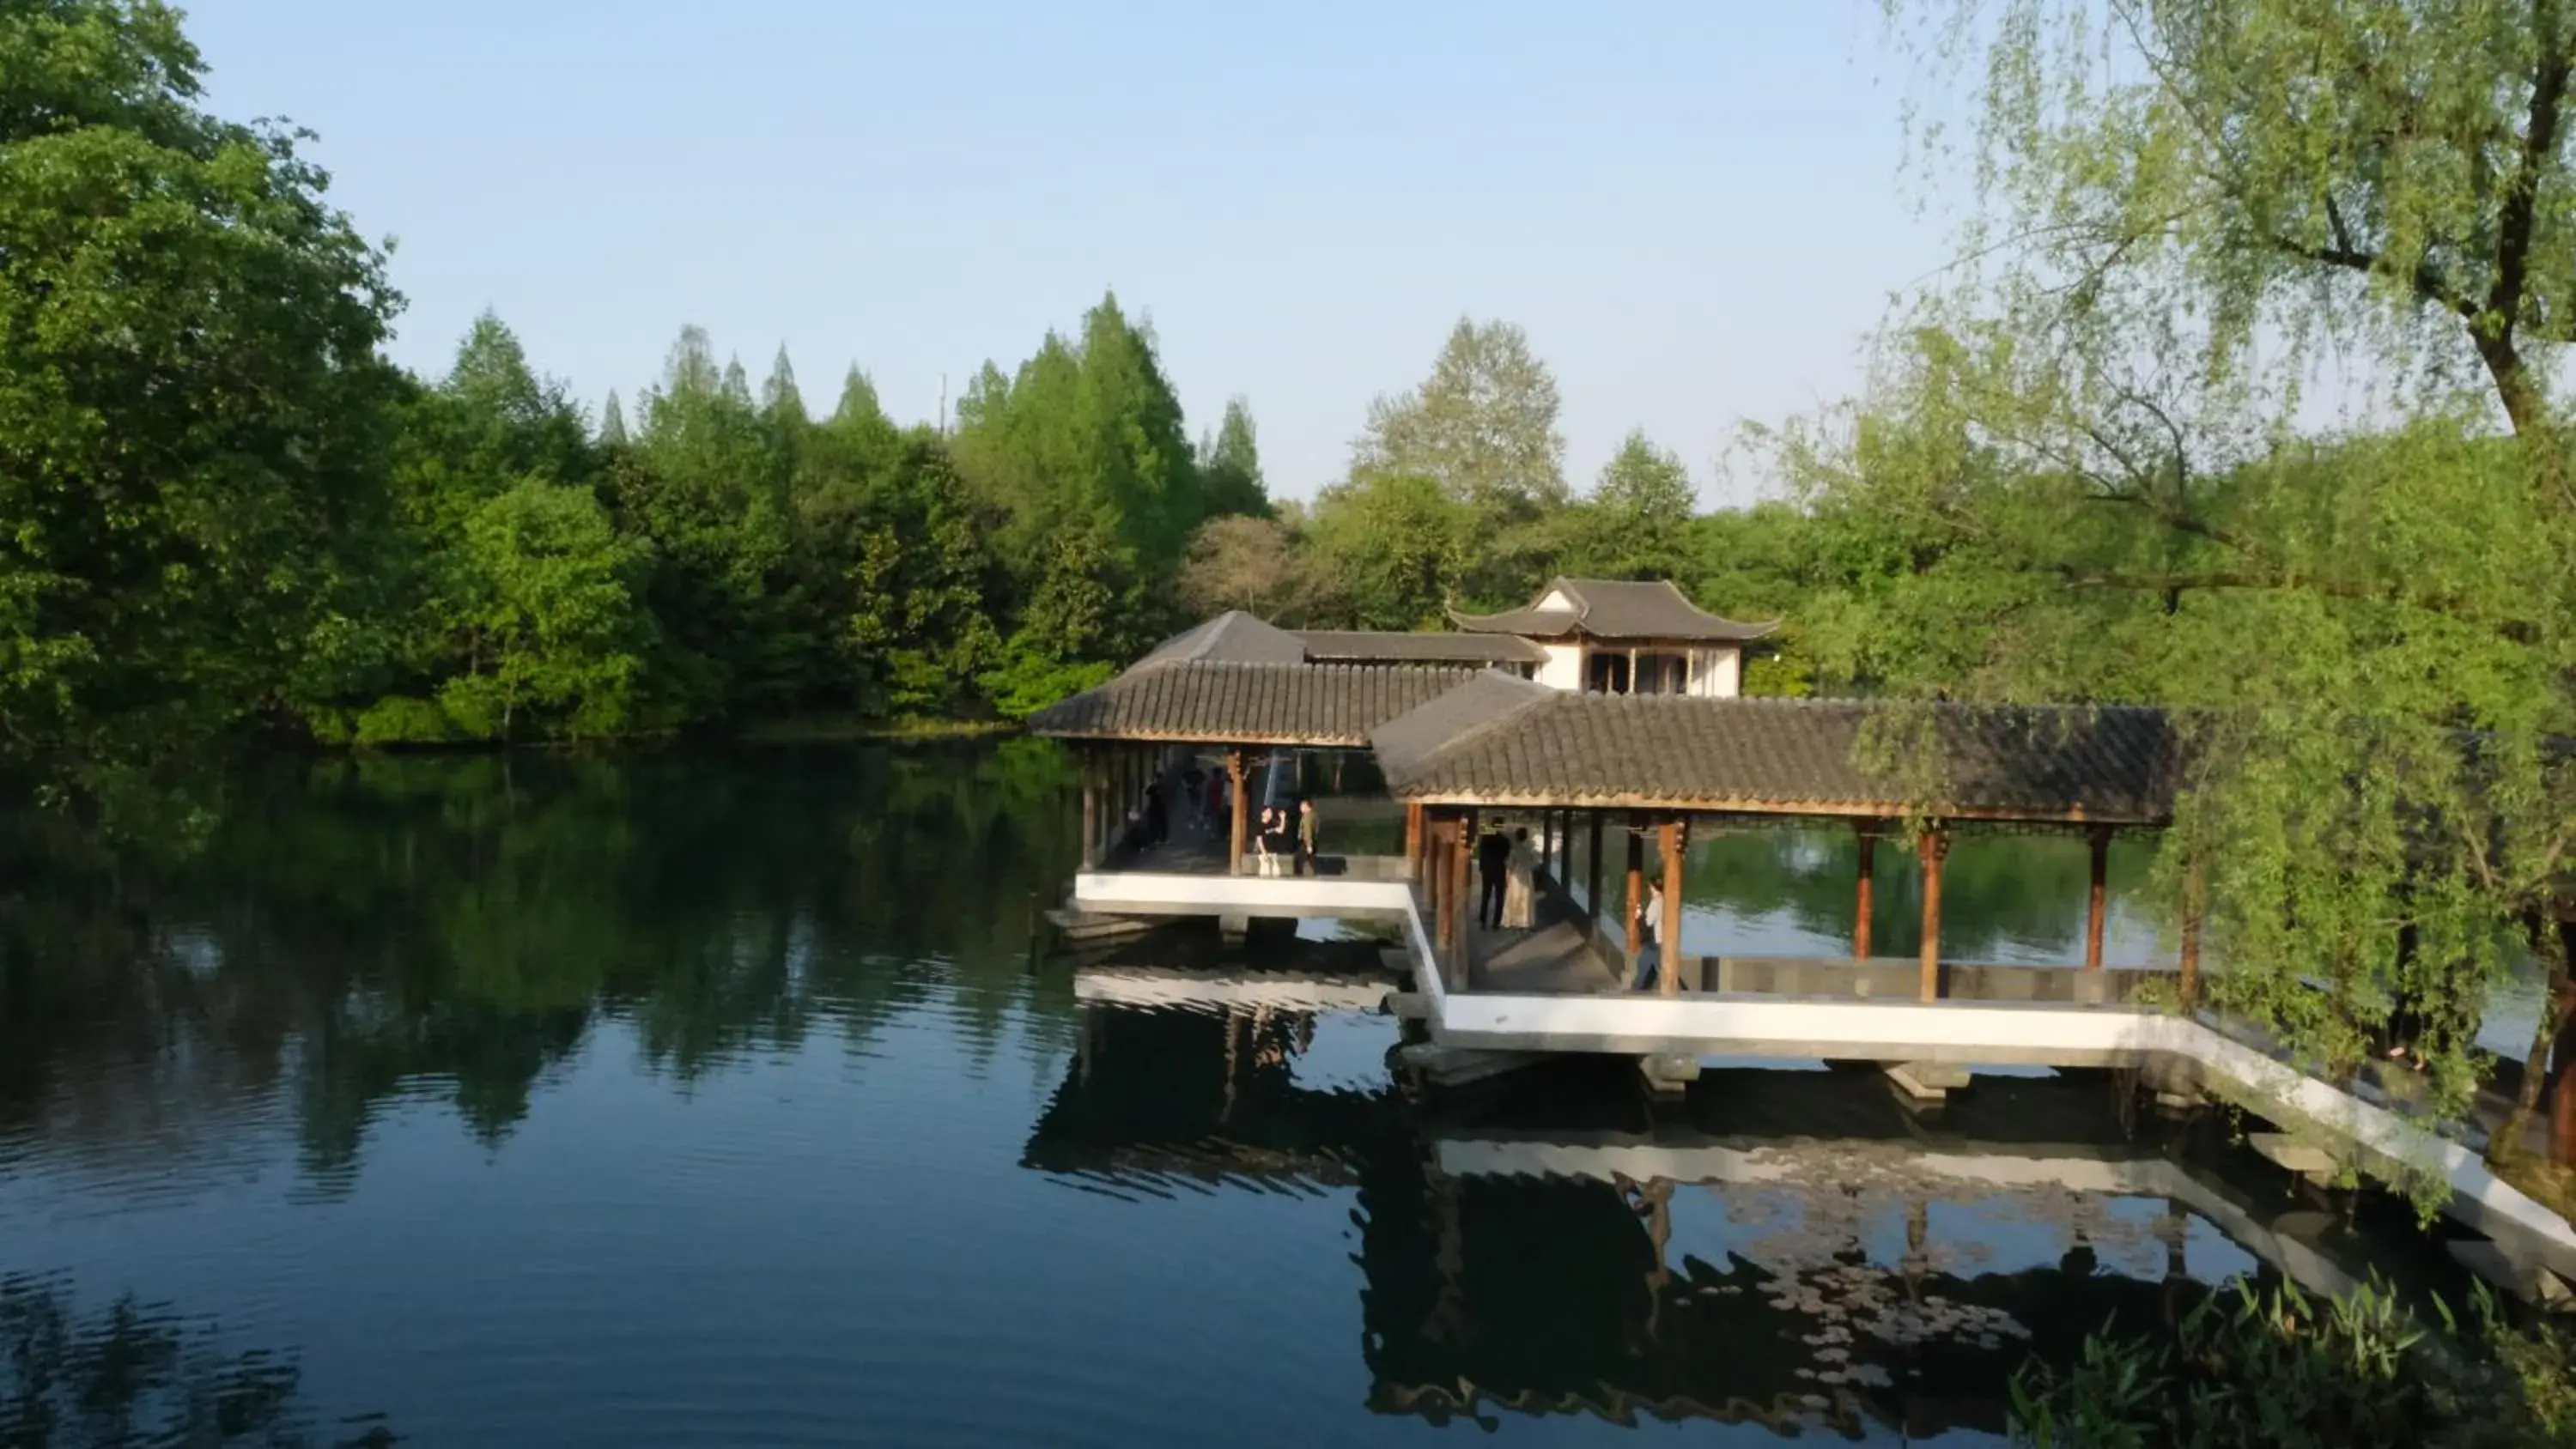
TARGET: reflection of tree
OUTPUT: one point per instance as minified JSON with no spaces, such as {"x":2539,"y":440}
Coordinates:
{"x":360,"y":926}
{"x":134,"y":1373}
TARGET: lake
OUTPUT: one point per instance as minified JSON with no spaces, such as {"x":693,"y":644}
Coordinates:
{"x":726,"y":1100}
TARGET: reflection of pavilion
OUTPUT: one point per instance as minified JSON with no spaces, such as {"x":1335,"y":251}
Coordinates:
{"x":1802,"y":1250}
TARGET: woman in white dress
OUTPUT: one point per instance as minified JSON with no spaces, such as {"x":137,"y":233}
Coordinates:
{"x":1520,"y":884}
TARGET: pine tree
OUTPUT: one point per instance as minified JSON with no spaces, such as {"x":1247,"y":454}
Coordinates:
{"x":612,"y":423}
{"x":779,"y":397}
{"x":1230,"y":466}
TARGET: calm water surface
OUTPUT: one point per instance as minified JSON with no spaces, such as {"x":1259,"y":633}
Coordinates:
{"x":724,"y":1101}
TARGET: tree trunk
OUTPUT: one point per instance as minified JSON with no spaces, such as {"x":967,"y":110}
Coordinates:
{"x":2557,"y":1002}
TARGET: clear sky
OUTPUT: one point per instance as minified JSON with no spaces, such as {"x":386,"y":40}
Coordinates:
{"x":1697,"y":210}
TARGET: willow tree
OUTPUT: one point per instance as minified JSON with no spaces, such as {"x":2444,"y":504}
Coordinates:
{"x":2186,"y":209}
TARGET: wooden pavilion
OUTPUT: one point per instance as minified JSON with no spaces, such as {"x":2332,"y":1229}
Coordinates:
{"x":1652,"y":764}
{"x":1616,"y":636}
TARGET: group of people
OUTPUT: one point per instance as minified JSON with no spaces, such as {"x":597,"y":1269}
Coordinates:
{"x":1285,"y":843}
{"x":1508,"y":868}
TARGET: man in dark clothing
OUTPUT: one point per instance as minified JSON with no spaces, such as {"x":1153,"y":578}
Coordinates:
{"x":1158,"y":818}
{"x":1494,"y":858}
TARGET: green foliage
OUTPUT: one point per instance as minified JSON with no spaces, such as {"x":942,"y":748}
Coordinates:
{"x":2273,"y":1368}
{"x":1638,"y":520}
{"x":2078,"y":478}
{"x":1230,"y":466}
{"x":1396,"y":545}
{"x":554,"y":628}
{"x":1483,"y":425}
{"x":1087,"y":437}
{"x":191,"y":403}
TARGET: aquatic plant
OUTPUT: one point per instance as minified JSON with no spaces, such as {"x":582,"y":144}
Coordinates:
{"x":2276,"y":1368}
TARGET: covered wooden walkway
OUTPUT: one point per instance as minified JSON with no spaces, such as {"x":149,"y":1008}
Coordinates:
{"x":1620,"y":782}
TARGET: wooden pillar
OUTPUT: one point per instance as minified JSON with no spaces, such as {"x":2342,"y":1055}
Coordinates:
{"x":1932,"y":847}
{"x":1435,"y":879}
{"x":1090,"y":820}
{"x":1413,"y":838}
{"x":1242,"y":818}
{"x":1863,"y":901}
{"x":2098,"y":905}
{"x":2195,"y":888}
{"x":1592,"y":867}
{"x":1459,"y":856}
{"x":1636,"y":884}
{"x":1668,"y":978}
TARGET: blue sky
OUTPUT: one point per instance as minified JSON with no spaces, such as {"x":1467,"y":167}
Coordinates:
{"x":1697,"y":211}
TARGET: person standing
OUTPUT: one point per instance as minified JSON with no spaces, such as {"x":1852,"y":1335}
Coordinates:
{"x":1649,"y":957}
{"x":1493,"y":858}
{"x":1306,"y":837}
{"x":1520,"y":889}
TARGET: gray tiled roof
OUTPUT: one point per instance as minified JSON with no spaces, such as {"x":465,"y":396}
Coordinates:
{"x":1380,"y":646}
{"x":1233,"y":635}
{"x":1616,"y":609}
{"x":1505,"y":740}
{"x":1225,"y":701}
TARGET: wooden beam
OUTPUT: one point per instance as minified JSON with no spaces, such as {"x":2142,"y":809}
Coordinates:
{"x":1460,"y":853}
{"x":1592,"y":866}
{"x":2097,"y":906}
{"x":1932,"y":846}
{"x":1865,"y":890}
{"x":1413,"y":837}
{"x":1242,"y":817}
{"x":1668,"y":977}
{"x":1804,"y":809}
{"x":1435,"y":859}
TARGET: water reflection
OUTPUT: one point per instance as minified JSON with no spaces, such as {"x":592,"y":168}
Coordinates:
{"x":360,"y":930}
{"x":133,"y":1373}
{"x":705,"y":1100}
{"x":1798,"y":1250}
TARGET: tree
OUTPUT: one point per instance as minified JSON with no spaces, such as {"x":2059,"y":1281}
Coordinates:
{"x":1483,"y":426}
{"x":2188,"y":203}
{"x":1230,"y":466}
{"x":1072,"y":627}
{"x":1085,"y":437}
{"x":550,"y":613}
{"x":708,"y":487}
{"x":612,"y":423}
{"x":1395,"y":544}
{"x":2326,"y":619}
{"x":1254,"y":564}
{"x":1637,"y":523}
{"x":899,"y":559}
{"x":192,"y":408}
